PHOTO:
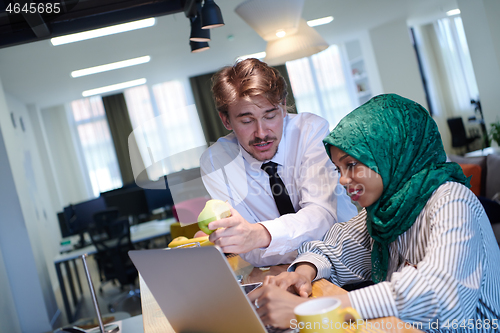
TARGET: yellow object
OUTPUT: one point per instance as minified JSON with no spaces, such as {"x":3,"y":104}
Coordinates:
{"x":323,"y":315}
{"x":214,"y":210}
{"x":188,"y":231}
{"x":179,"y":241}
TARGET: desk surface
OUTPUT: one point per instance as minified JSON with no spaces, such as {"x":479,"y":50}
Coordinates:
{"x":484,"y":152}
{"x":132,"y":325}
{"x":155,"y":322}
{"x":138,"y":233}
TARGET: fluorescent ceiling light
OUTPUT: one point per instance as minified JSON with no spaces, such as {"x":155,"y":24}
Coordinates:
{"x":320,"y":21}
{"x":258,"y":55}
{"x":112,"y":87}
{"x":114,"y":29}
{"x":453,"y":12}
{"x":111,"y":66}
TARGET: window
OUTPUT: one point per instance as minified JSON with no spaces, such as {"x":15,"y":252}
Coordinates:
{"x":457,"y":63}
{"x":97,"y":144}
{"x":319,"y":85}
{"x":167,"y":125}
{"x":446,"y":66}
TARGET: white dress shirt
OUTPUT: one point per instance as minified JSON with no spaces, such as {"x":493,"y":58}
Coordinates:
{"x":230,"y":173}
{"x":446,"y":267}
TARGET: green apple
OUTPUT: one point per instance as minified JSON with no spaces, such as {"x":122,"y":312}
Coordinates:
{"x":214,"y":210}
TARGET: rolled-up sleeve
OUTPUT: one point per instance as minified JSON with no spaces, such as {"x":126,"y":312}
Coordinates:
{"x":446,"y":284}
{"x":343,"y":256}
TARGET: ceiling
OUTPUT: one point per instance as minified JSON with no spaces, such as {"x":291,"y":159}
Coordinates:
{"x":20,"y":26}
{"x":38,"y":72}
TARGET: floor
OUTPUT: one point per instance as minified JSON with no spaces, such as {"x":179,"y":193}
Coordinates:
{"x":110,"y":294}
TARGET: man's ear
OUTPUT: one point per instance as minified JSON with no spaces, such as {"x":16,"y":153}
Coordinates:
{"x":225,"y":120}
{"x":284,"y":108}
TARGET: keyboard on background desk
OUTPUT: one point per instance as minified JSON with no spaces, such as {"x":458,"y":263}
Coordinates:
{"x":69,"y":244}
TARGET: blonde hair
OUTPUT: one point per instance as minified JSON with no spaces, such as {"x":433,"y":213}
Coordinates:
{"x":246,"y":79}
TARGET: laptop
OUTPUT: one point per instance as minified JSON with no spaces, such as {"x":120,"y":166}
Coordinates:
{"x":197,"y":290}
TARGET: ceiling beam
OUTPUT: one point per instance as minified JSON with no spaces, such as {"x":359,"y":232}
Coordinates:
{"x":35,"y":20}
{"x":81,"y":15}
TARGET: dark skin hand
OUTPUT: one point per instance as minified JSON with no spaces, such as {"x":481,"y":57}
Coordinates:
{"x":278,"y":296}
{"x":298,"y":282}
{"x":275,"y":305}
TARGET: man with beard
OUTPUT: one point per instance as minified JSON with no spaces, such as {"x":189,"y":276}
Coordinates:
{"x":272,"y":169}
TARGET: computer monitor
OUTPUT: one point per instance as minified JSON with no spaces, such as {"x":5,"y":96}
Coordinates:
{"x":80,"y":216}
{"x":158,"y":198}
{"x":130,"y":202}
{"x":63,"y":225}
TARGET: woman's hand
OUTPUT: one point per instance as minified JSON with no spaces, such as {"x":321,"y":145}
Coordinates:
{"x":298,"y":282}
{"x":291,"y":281}
{"x":275,"y":305}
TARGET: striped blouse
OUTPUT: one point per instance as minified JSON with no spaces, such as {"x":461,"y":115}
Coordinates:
{"x":445,"y":269}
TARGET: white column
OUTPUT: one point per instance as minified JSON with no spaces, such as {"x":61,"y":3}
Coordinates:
{"x":24,"y":279}
{"x":8,"y":313}
{"x":396,"y":61}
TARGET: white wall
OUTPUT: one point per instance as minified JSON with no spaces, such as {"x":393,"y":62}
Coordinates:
{"x":482,"y":29}
{"x":27,"y":224}
{"x":363,"y":37}
{"x":396,"y":61}
{"x":8,"y":314}
{"x":33,"y":188}
{"x":370,"y":63}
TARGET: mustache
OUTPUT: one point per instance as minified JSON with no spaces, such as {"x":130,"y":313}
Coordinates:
{"x":259,"y":140}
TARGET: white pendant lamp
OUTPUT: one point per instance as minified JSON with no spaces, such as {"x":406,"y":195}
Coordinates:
{"x":304,"y":43}
{"x":272,"y":19}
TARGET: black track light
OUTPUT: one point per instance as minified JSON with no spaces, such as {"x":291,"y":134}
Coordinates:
{"x":211,"y":16}
{"x":198,"y":46}
{"x":197,"y":33}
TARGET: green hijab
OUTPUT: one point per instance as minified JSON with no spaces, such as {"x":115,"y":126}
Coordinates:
{"x":396,"y":138}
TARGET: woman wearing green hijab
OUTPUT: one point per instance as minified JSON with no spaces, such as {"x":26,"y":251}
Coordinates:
{"x":423,"y":237}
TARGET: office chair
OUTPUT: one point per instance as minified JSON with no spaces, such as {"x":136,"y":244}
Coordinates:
{"x":112,"y":241}
{"x":101,"y":218}
{"x":459,"y":137}
{"x":106,"y":216}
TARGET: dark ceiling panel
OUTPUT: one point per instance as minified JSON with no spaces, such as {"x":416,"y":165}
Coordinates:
{"x":77,"y":16}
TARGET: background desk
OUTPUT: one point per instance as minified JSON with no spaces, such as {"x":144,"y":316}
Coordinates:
{"x":484,"y":152}
{"x":138,"y":233}
{"x":155,"y":322}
